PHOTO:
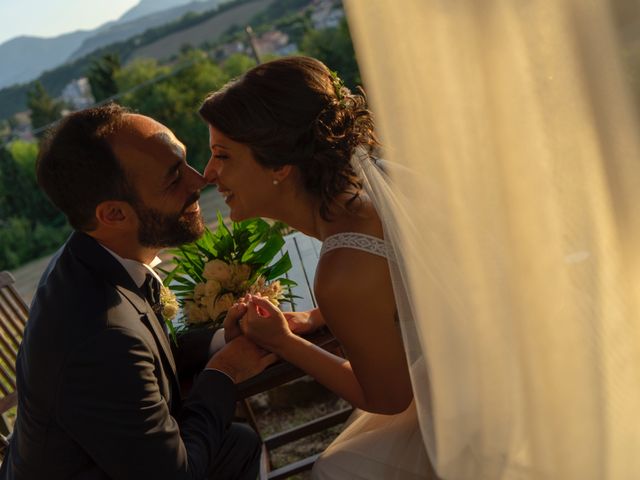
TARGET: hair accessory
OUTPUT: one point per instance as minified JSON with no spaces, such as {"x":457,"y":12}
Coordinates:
{"x":338,"y":86}
{"x":275,"y":182}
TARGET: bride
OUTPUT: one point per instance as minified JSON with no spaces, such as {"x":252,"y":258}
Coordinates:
{"x":515,"y":123}
{"x":290,"y":142}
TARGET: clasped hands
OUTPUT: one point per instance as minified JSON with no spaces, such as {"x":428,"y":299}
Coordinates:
{"x":265,"y":324}
{"x":256,"y":332}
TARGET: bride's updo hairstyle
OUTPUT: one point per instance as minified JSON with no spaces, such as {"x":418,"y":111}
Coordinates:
{"x":295,"y":111}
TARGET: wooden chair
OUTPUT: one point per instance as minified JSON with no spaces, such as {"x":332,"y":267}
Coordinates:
{"x":13,"y":318}
{"x":274,"y":376}
{"x":304,"y":252}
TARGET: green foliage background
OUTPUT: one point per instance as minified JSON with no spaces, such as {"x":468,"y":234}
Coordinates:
{"x":30,"y":226}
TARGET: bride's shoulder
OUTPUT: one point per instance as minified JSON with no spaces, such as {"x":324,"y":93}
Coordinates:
{"x":350,"y":267}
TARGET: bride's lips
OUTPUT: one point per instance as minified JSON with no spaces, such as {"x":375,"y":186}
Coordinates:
{"x":227,"y":194}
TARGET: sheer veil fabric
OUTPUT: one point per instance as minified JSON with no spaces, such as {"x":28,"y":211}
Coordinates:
{"x":510,"y":196}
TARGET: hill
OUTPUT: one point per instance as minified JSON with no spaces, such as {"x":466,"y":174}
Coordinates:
{"x":123,"y":30}
{"x":191,"y":31}
{"x":148,"y":7}
{"x":24,"y":58}
{"x":209,"y":30}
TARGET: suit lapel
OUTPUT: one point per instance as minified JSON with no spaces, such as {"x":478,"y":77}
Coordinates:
{"x":149,"y":318}
{"x":89,"y":251}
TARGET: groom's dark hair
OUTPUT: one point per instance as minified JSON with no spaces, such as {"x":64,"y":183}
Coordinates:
{"x":77,"y":168}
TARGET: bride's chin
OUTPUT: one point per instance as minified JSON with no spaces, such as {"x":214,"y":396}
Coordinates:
{"x":235,"y":216}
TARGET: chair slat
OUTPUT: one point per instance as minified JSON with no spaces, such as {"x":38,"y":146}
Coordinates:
{"x":11,"y":321}
{"x":13,"y":318}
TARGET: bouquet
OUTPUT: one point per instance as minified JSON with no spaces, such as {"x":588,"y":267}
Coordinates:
{"x":220,"y":268}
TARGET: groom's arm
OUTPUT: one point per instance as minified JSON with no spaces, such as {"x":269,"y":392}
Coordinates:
{"x":192,"y":352}
{"x":110,"y":402}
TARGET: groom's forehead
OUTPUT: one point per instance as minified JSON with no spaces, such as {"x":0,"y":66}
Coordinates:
{"x":143,"y":143}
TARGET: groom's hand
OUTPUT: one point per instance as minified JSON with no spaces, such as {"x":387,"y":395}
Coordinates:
{"x":241,"y":359}
{"x":231,"y":322}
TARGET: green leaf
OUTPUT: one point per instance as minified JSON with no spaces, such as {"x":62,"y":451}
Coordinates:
{"x":265,"y":254}
{"x":287,"y":282}
{"x":172,"y":332}
{"x":279,"y":268}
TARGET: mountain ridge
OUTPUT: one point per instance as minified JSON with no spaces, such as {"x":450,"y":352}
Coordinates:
{"x":25,"y":58}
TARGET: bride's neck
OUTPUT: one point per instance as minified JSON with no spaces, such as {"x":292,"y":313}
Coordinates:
{"x":304,"y":215}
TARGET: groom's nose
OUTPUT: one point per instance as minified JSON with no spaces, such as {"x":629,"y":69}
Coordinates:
{"x":196,"y":181}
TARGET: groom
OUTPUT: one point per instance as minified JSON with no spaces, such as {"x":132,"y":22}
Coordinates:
{"x":98,"y":392}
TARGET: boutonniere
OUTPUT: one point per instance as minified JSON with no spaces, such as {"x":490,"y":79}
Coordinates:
{"x":168,"y":304}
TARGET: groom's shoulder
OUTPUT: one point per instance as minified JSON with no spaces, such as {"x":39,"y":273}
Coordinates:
{"x":67,"y":277}
{"x":71,"y":294}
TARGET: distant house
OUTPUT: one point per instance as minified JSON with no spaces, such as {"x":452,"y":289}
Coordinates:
{"x":274,"y":42}
{"x":225,"y":51}
{"x":21,"y":127}
{"x":326,"y":14}
{"x":77,"y":94}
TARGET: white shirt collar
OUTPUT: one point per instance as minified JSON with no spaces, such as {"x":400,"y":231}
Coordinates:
{"x":137,"y":270}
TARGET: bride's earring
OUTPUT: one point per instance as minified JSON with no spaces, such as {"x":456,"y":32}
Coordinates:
{"x":275,"y":182}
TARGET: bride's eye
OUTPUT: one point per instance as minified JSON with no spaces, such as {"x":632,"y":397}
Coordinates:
{"x":221,"y":157}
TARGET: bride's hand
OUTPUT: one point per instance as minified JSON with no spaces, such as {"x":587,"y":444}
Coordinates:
{"x":300,"y":323}
{"x":265,"y":324}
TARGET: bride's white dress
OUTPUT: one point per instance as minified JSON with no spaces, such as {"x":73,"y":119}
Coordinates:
{"x":374,"y":446}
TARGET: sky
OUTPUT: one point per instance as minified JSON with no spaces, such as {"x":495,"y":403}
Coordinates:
{"x":49,"y":18}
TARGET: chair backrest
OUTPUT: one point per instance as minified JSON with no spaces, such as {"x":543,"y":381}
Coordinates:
{"x":13,"y":318}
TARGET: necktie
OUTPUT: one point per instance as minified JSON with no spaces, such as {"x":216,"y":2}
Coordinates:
{"x":151,"y":288}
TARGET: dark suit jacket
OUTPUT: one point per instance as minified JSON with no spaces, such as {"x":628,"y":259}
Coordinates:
{"x":98,"y":394}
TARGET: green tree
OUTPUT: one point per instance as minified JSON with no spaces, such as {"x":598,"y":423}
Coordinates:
{"x":30,"y":226}
{"x":175,"y":98}
{"x":102,"y":76}
{"x":237,"y":64}
{"x":334,"y":47}
{"x":21,"y":195}
{"x":138,"y":73}
{"x":44,"y":108}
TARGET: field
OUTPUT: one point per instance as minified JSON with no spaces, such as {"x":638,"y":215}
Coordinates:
{"x":209,"y":30}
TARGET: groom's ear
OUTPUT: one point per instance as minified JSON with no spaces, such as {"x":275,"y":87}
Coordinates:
{"x":115,"y":214}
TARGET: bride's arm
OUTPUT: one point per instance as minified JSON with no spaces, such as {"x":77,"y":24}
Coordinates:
{"x":358,"y":307}
{"x":301,"y":323}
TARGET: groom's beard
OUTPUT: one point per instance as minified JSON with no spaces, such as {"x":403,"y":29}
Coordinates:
{"x":159,"y":230}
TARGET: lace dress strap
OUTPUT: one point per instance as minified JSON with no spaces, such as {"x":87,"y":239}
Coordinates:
{"x":358,"y":241}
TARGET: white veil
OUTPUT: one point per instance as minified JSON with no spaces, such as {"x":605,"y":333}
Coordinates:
{"x":512,"y":202}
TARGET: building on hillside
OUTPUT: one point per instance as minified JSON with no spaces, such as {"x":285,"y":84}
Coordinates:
{"x":274,"y":42}
{"x":77,"y":94}
{"x":226,"y":50}
{"x":21,"y":126}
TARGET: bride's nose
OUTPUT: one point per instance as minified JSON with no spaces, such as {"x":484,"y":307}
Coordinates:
{"x":211,"y":172}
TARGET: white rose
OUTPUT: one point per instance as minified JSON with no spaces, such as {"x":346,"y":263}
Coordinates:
{"x":212,"y":288}
{"x":217,"y":270}
{"x":199,"y":291}
{"x":226,"y":301}
{"x":242,"y":272}
{"x":215,"y":307}
{"x":195,"y":314}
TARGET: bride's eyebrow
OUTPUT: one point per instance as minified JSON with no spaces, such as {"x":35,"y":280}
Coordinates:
{"x":218,"y":146}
